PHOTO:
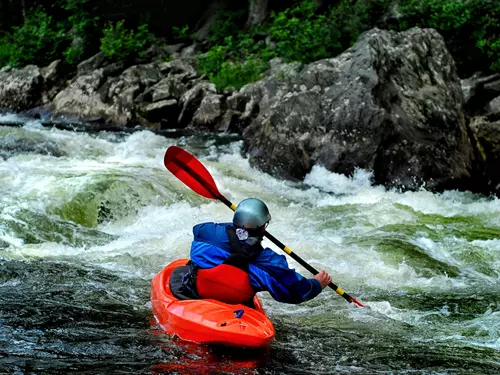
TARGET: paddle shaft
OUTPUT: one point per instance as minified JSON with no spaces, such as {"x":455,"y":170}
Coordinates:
{"x":289,"y":251}
{"x":213,"y":191}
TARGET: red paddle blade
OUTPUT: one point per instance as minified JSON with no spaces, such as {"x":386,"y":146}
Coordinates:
{"x":189,"y":170}
{"x":353,"y":300}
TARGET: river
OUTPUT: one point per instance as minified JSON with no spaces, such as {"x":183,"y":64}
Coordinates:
{"x":87,"y":219}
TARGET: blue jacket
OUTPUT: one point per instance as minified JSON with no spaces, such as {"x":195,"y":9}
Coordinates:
{"x":269,"y":271}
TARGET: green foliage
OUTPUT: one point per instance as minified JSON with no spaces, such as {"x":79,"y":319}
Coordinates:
{"x":122,"y":44}
{"x":238,"y":74}
{"x":299,"y":34}
{"x":6,"y":49}
{"x":471,"y":28}
{"x":228,"y":24}
{"x":84,"y":28}
{"x":226,"y":73}
{"x":181,"y":33}
{"x":36,"y":41}
{"x":302,"y":35}
{"x":296,"y":34}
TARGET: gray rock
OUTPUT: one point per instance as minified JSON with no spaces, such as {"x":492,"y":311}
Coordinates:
{"x":479,"y":91}
{"x":54,"y":80}
{"x":210,"y":111}
{"x":493,"y":107}
{"x":95,"y":62}
{"x":164,"y":112}
{"x":487,"y":136}
{"x":81,"y":98}
{"x":168,"y":88}
{"x":179,"y":66}
{"x":191,"y":100}
{"x":113,"y":98}
{"x":21,"y":89}
{"x":392,"y":104}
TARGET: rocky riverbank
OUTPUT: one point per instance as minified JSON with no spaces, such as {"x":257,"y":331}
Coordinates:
{"x":393,"y":103}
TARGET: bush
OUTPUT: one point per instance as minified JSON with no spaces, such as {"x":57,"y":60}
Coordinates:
{"x":239,"y":74}
{"x":123,"y":44}
{"x":37,"y":41}
{"x":302,"y":35}
{"x":226,"y":73}
{"x":84,"y":29}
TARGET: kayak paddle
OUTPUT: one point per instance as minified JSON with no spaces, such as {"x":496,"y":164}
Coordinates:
{"x":193,"y":173}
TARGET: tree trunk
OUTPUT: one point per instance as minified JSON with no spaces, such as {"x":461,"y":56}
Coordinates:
{"x":208,"y":19}
{"x":257,"y":12}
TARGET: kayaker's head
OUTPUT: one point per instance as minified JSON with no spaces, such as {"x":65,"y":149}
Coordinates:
{"x":252,"y":215}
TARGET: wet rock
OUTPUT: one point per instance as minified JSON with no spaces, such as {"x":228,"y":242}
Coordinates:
{"x":21,"y":89}
{"x":11,"y":146}
{"x":392,"y":104}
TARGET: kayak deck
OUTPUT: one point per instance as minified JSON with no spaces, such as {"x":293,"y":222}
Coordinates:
{"x":208,"y":321}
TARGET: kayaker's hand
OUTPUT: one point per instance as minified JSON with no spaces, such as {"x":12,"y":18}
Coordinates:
{"x":324,"y":278}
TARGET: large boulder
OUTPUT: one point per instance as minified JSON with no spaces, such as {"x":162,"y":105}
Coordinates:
{"x":21,"y":89}
{"x":392,"y":104}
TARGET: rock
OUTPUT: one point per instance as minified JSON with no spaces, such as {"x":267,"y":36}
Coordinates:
{"x":487,"y":135}
{"x":82,"y":98}
{"x":174,"y":48}
{"x":170,"y":87}
{"x":493,"y":108}
{"x":210,"y":111}
{"x":479,"y":91}
{"x":21,"y":89}
{"x":391,"y":104}
{"x":191,"y":100}
{"x":231,"y":122}
{"x":112,"y":98}
{"x":95,"y":62}
{"x":54,"y":80}
{"x":164,"y":112}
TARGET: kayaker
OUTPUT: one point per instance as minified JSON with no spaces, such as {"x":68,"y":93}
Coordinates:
{"x":228,"y":262}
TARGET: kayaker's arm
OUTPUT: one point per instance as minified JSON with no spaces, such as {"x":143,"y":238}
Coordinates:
{"x":270,"y":272}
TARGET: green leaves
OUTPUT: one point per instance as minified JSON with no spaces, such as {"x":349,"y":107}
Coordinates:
{"x":226,"y":73}
{"x":37,"y":41}
{"x":120,"y":43}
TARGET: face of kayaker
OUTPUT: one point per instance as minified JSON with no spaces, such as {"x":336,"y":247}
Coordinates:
{"x":253,"y":216}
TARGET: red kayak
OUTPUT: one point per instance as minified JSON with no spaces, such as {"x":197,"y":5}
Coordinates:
{"x":208,"y":321}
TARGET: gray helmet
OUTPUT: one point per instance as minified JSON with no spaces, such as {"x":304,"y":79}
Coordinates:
{"x":251,"y":213}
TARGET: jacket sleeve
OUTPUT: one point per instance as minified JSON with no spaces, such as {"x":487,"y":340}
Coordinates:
{"x":270,"y":272}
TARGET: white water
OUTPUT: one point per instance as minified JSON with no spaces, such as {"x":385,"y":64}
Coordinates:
{"x":333,"y":222}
